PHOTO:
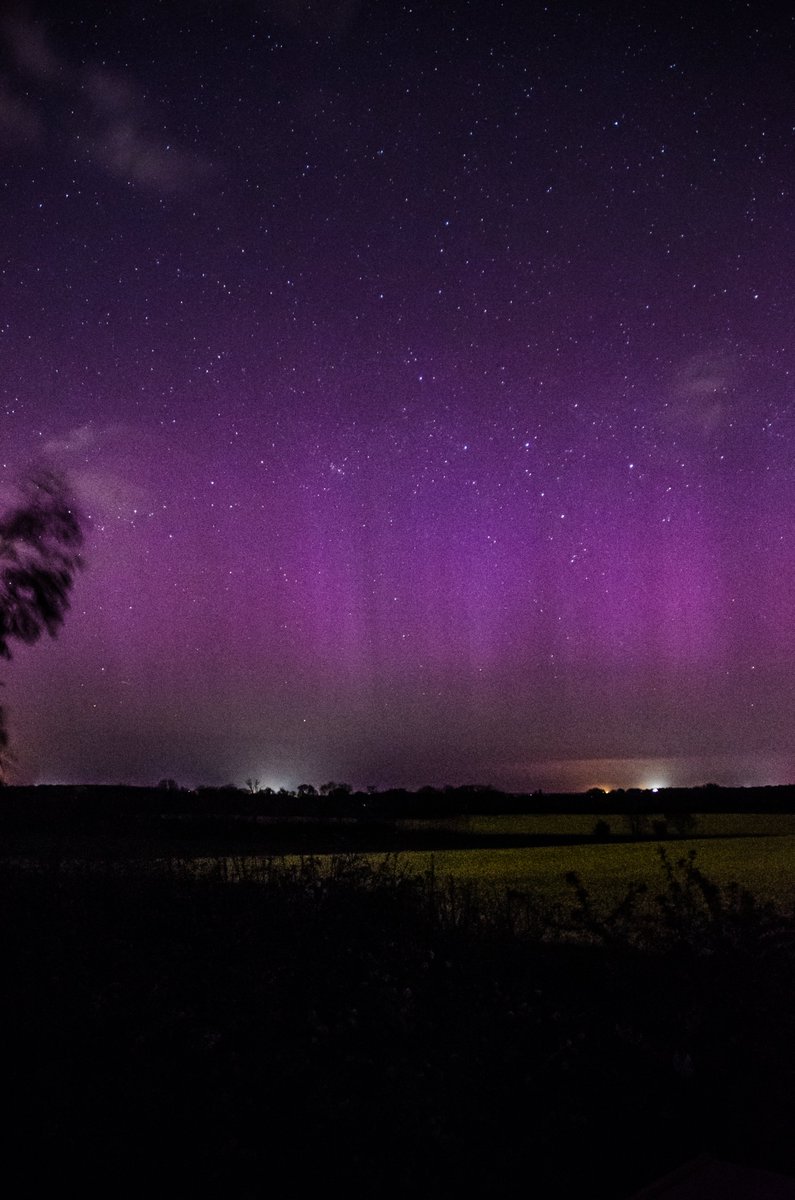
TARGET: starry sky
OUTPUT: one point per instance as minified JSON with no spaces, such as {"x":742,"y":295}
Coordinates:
{"x":426,"y":371}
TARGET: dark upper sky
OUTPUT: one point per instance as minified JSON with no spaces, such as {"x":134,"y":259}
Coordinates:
{"x":427,"y":373}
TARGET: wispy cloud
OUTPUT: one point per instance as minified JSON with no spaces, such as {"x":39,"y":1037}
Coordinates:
{"x":30,"y":47}
{"x":122,"y":143}
{"x":705,"y":374}
{"x":107,"y":113}
{"x":75,"y":440}
{"x":107,"y":495}
{"x":128,"y":151}
{"x":92,"y":454}
{"x":701,"y":392}
{"x":19,"y":121}
{"x":110,"y":92}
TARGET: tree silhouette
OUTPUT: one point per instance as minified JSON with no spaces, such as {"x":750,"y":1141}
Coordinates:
{"x":40,"y":541}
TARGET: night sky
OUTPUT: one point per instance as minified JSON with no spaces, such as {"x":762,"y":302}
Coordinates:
{"x":427,"y":374}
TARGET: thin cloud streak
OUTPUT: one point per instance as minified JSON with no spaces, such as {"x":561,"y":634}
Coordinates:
{"x":112,"y":132}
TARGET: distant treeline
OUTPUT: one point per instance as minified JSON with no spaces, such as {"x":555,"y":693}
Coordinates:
{"x":99,"y":802}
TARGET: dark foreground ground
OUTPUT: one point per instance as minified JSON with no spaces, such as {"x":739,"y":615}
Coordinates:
{"x":294,"y":1033}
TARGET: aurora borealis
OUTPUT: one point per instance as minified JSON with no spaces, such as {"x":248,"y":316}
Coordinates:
{"x":426,"y":371}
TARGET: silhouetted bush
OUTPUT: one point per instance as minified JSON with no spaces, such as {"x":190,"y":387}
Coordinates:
{"x":637,"y":824}
{"x":685,"y":823}
{"x":381,"y":1031}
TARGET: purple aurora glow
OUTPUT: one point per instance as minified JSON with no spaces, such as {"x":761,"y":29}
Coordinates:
{"x":427,"y":376}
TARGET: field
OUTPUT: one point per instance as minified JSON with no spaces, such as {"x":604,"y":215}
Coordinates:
{"x":763,"y":865}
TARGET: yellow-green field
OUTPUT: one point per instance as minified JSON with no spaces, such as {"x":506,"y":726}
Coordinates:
{"x":755,"y":850}
{"x":764,"y":865}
